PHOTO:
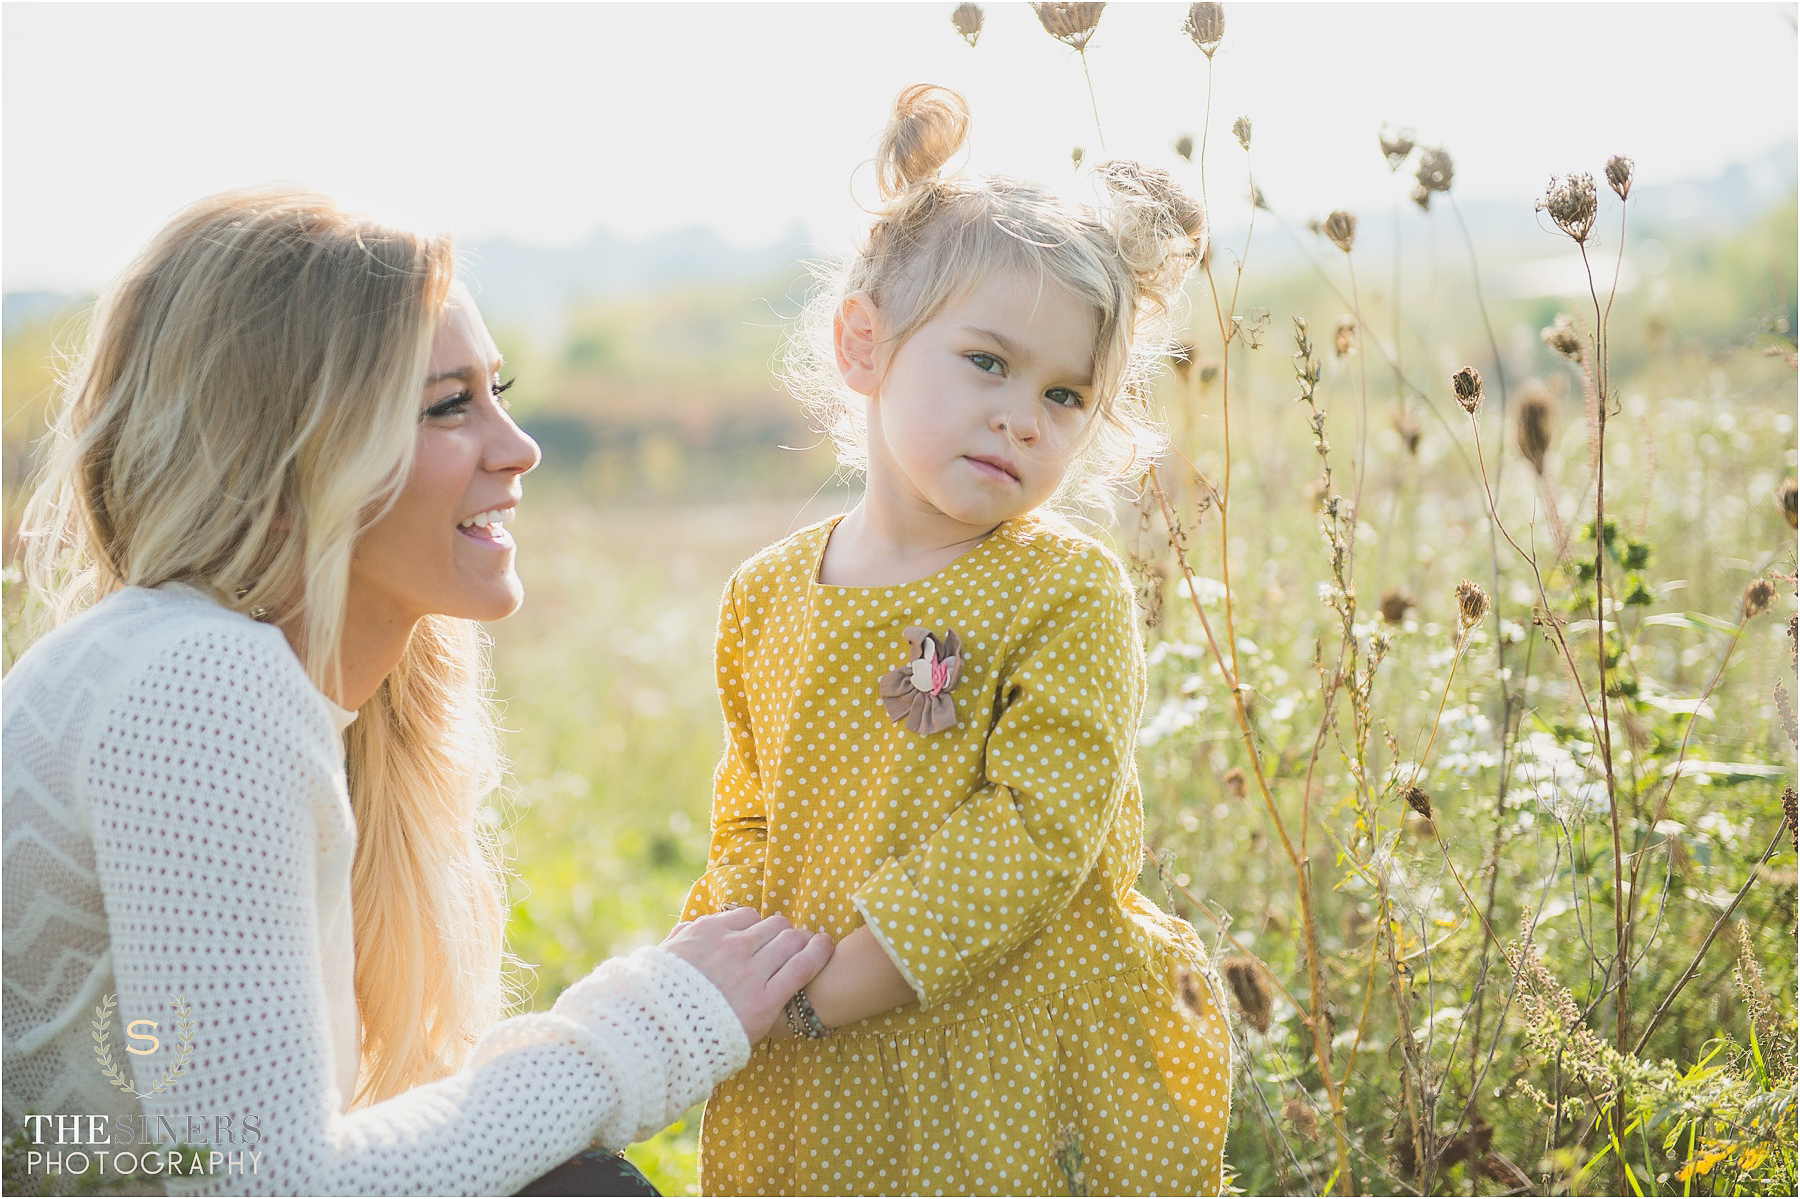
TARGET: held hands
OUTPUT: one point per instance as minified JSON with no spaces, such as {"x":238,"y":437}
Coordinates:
{"x":756,"y":964}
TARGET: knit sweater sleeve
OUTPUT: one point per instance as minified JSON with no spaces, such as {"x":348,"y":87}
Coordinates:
{"x":210,"y":787}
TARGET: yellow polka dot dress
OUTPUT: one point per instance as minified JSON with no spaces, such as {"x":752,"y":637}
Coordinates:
{"x":994,"y":860}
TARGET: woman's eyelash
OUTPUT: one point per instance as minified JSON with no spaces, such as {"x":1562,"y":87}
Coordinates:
{"x":451,"y":405}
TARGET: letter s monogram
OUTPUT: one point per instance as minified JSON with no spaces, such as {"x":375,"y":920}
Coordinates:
{"x":131,"y":1030}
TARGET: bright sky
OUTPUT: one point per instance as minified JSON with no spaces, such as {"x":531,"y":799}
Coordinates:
{"x":541,"y":122}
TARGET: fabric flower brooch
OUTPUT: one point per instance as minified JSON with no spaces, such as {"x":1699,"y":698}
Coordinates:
{"x":916,"y":695}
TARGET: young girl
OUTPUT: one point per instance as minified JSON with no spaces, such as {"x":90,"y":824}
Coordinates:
{"x":931,"y":704}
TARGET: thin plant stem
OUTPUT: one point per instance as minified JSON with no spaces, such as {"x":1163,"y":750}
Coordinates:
{"x":1700,"y":953}
{"x":1093,"y":102}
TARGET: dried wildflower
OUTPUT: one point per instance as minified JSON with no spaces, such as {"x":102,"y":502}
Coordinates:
{"x":1300,"y":1117}
{"x":1618,"y":175}
{"x":1240,"y":129}
{"x":1181,"y":359}
{"x":1571,"y":205}
{"x":1757,"y":596}
{"x":967,"y":19}
{"x":1406,"y":424}
{"x":1070,"y":24}
{"x":1417,"y":799}
{"x":1184,"y":146}
{"x":1068,"y":1158}
{"x":1436,"y":171}
{"x":1471,"y":603}
{"x":1395,"y":604}
{"x":1076,"y":155}
{"x":1532,"y":430}
{"x":1206,"y":26}
{"x":1340,"y":228}
{"x":1234,"y":783}
{"x":1789,"y":494}
{"x":1249,"y":988}
{"x":1344,"y":339}
{"x":1256,"y":198}
{"x":1466,"y":383}
{"x":1562,"y":338}
{"x":1790,"y":807}
{"x":1421,"y":195}
{"x":1396,"y":146}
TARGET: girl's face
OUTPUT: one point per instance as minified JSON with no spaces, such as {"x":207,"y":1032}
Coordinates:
{"x":979,"y":413}
{"x":443,"y":547}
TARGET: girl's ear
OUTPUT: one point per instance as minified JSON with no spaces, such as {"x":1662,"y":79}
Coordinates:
{"x":853,"y":335}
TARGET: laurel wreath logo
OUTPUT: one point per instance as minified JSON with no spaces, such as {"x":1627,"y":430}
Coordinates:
{"x":184,"y":1046}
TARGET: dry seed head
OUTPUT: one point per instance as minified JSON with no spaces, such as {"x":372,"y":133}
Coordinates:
{"x":1532,"y":432}
{"x":1758,"y":594}
{"x":1436,"y":171}
{"x":1406,"y":424}
{"x":1070,"y":24}
{"x":1790,"y":807}
{"x":1395,"y":604}
{"x":1184,"y":146}
{"x":1344,"y":339}
{"x":1562,"y":338}
{"x":1250,"y":989}
{"x":1421,"y":195}
{"x":1417,"y":799}
{"x":1206,"y":26}
{"x":1299,"y":1115}
{"x":1471,"y":603}
{"x":1466,"y":383}
{"x":1789,"y":494}
{"x":967,"y":19}
{"x":1340,"y":228}
{"x":1571,"y":204}
{"x":1618,"y":175}
{"x":1076,"y":155}
{"x":1396,"y":146}
{"x":1234,"y":783}
{"x":1240,"y":129}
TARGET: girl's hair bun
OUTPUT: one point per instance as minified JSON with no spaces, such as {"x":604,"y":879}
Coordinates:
{"x":1160,"y":229}
{"x":929,"y":125}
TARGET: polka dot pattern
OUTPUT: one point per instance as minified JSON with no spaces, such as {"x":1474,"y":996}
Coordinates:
{"x":995,"y":862}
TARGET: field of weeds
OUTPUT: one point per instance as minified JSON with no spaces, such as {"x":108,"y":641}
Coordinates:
{"x":1470,"y":737}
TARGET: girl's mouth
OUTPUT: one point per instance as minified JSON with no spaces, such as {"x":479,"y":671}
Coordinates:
{"x":993,"y":469}
{"x":488,"y":527}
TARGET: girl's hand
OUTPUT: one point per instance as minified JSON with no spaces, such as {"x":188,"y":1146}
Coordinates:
{"x":757,"y":964}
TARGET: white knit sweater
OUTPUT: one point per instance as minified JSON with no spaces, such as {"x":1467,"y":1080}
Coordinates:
{"x":177,"y":823}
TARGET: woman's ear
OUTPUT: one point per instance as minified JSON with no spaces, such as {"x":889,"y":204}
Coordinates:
{"x":853,"y":335}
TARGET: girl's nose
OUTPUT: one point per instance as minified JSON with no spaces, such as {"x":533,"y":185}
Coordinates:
{"x":1018,"y":420}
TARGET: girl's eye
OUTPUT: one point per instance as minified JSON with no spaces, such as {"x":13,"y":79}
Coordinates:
{"x":988,"y":363}
{"x":1062,"y":397}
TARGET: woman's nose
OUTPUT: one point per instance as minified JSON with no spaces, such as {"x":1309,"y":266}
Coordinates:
{"x":512,"y":451}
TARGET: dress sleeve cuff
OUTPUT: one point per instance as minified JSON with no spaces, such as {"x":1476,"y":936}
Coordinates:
{"x":909,"y":933}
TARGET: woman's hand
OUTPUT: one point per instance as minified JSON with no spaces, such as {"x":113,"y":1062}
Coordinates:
{"x":757,"y":964}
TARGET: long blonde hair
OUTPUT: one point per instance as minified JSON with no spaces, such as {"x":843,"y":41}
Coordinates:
{"x":245,"y":405}
{"x":935,"y":238}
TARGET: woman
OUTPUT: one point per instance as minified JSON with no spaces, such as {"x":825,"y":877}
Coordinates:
{"x":246,"y":889}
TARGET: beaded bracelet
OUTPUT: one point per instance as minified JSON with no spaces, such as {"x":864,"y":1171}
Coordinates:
{"x":802,"y":1021}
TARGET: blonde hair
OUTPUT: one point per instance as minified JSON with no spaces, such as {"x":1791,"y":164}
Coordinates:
{"x":245,"y":405}
{"x":935,"y":238}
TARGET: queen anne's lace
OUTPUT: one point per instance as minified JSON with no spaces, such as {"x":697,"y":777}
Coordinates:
{"x":177,"y":822}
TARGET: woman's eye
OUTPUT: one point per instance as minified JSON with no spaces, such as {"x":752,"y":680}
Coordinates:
{"x":1062,"y":397}
{"x":988,"y":363}
{"x":452,"y":406}
{"x":500,"y":390}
